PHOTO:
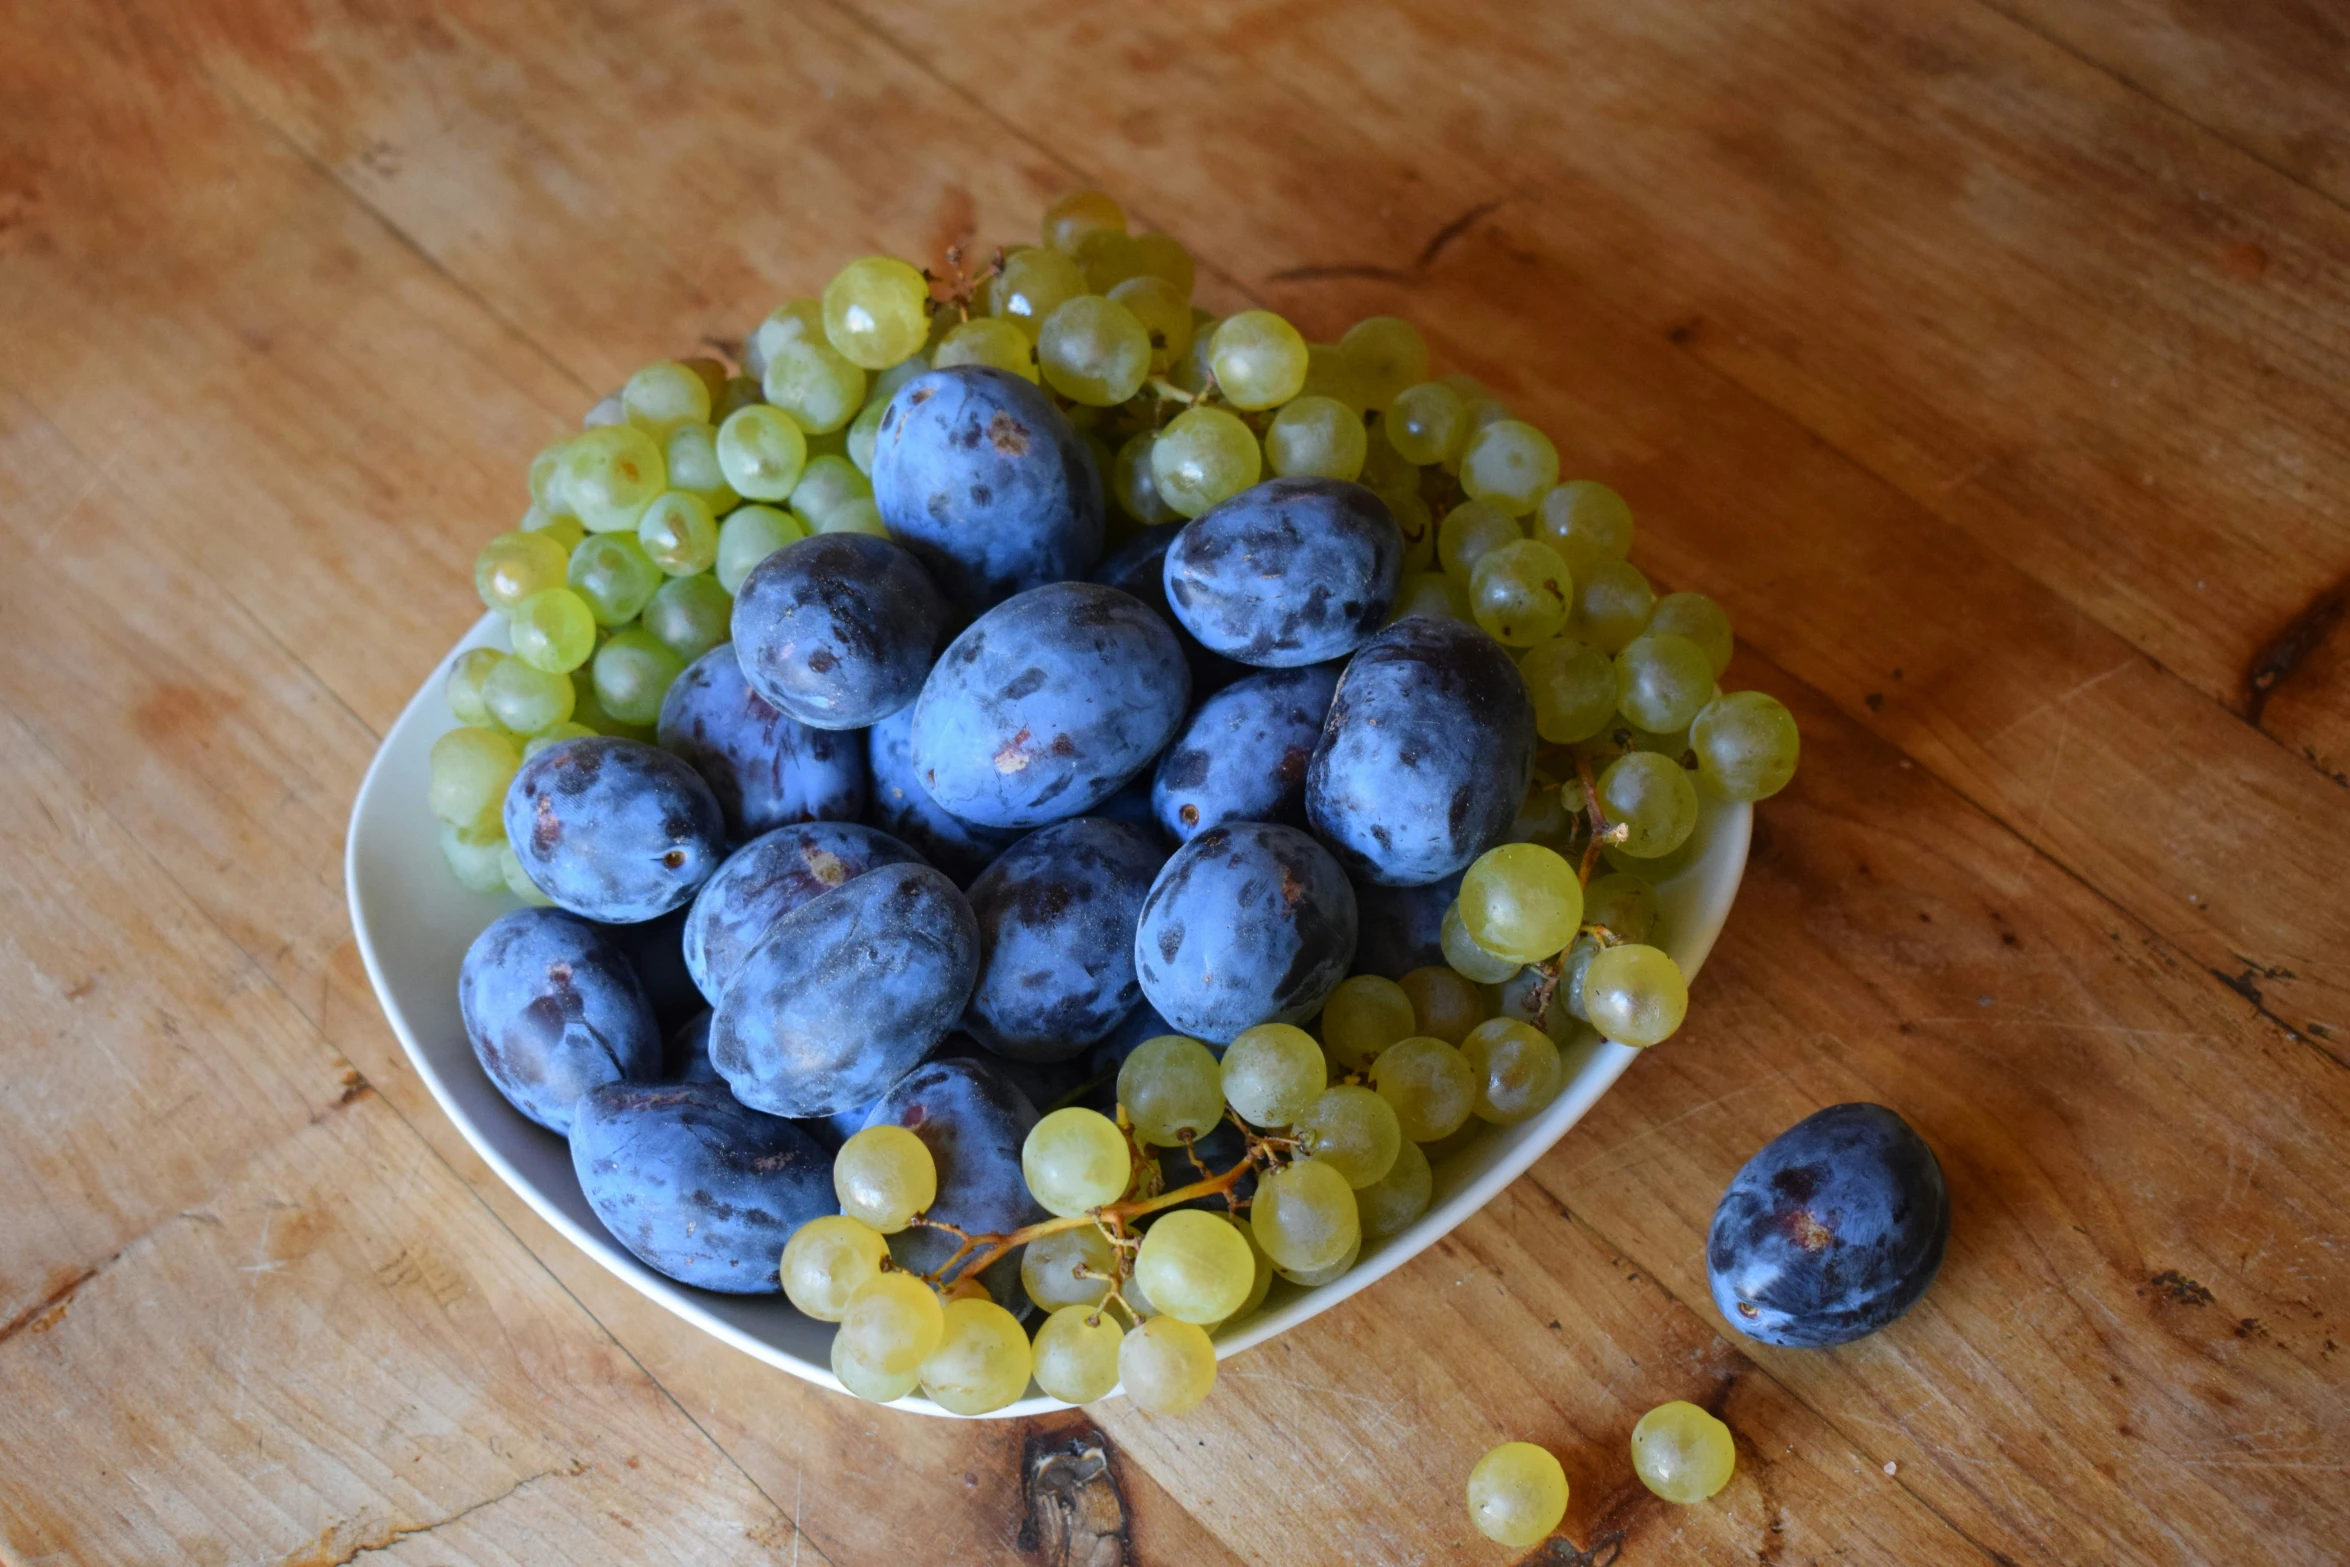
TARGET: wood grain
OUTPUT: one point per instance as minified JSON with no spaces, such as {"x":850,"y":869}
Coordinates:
{"x":1987,"y":362}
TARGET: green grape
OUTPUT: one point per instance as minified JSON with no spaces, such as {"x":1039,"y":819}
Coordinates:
{"x":1134,"y":487}
{"x":793,"y":321}
{"x":1586,"y":522}
{"x":988,"y":341}
{"x":1316,"y":438}
{"x":546,"y":480}
{"x":982,"y":1361}
{"x":1662,"y":680}
{"x":1517,"y":1495}
{"x":885,"y":386}
{"x":1702,"y":621}
{"x":892,"y":1322}
{"x":1468,"y":531}
{"x":472,"y":855}
{"x":868,"y":1382}
{"x":518,"y":880}
{"x":1259,"y":359}
{"x":556,"y":734}
{"x":1050,"y":1264}
{"x":818,"y":385}
{"x":1163,"y":256}
{"x":1331,"y":372}
{"x":1192,"y":372}
{"x":826,"y":1261}
{"x":614,"y":577}
{"x":690,"y":615}
{"x":1033,"y":284}
{"x":633,"y":672}
{"x":1273,"y":1073}
{"x":1195,"y":1266}
{"x":470,"y":769}
{"x":1305,"y":1216}
{"x":565,"y":531}
{"x":553,"y":629}
{"x":1427,"y":423}
{"x":1509,"y":464}
{"x":608,"y":411}
{"x":1107,"y":260}
{"x":1517,"y":1069}
{"x":1746,"y":745}
{"x":1415,"y":519}
{"x":679,"y":534}
{"x":1262,"y":1283}
{"x":876,"y":312}
{"x":1315,"y":1278}
{"x":525,"y":700}
{"x":1519,"y":591}
{"x":1354,"y":1131}
{"x":1078,"y":213}
{"x":1391,"y":354}
{"x":692,"y":458}
{"x":827,"y":484}
{"x":1203,"y":457}
{"x":1626,"y":905}
{"x":1385,"y":471}
{"x":1573,"y":687}
{"x":513,"y":566}
{"x":1363,"y":1016}
{"x":1543,"y":819}
{"x":884,"y":1176}
{"x":739,"y":392}
{"x":1651,"y":797}
{"x":1076,"y":1160}
{"x":748,"y":536}
{"x":1076,"y":1354}
{"x":1167,"y":1365}
{"x":1482,"y":412}
{"x":761,"y":451}
{"x":1430,"y":593}
{"x":1682,"y":1453}
{"x":865,"y":432}
{"x":1468,"y":959}
{"x":1612,"y":604}
{"x":1169,"y":1086}
{"x":1165,"y":313}
{"x":1137,"y":1299}
{"x":660,"y":397}
{"x":1428,"y":1084}
{"x":1094,"y":351}
{"x":858,"y":514}
{"x":1398,"y":1197}
{"x":1522,"y":902}
{"x":1446,"y":1003}
{"x":1572,"y":968}
{"x":466,"y":674}
{"x":610,"y":474}
{"x":1635,"y":994}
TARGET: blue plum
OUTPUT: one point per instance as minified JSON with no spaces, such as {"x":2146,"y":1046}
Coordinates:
{"x":974,"y":1120}
{"x":685,"y":1056}
{"x":1132,"y":805}
{"x":1242,"y":755}
{"x":1045,"y":1083}
{"x":766,"y":879}
{"x":905,"y":810}
{"x":1833,"y":1230}
{"x":1250,"y":922}
{"x":701,"y":1187}
{"x":1047,"y":704}
{"x":614,"y":830}
{"x":1426,"y":755}
{"x":1139,"y":567}
{"x":839,"y":629}
{"x":1289,"y":572}
{"x":554,"y":1010}
{"x":767,"y":769}
{"x":1056,"y":913}
{"x":990,"y":486}
{"x":655,"y":948}
{"x":1401,"y":926}
{"x":847,"y":993}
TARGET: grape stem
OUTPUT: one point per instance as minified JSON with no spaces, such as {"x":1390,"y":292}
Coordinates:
{"x":1602,"y":832}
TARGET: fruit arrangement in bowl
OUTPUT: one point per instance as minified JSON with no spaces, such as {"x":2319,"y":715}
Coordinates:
{"x":1028,"y":836}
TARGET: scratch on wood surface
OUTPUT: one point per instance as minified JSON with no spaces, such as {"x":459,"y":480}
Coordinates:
{"x":43,"y":1314}
{"x":2285,"y":651}
{"x":347,"y":1539}
{"x":1438,"y":243}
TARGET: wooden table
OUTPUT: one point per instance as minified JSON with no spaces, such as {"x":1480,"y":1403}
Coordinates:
{"x":1988,"y":359}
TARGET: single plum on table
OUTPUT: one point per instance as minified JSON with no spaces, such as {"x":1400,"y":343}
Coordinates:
{"x":987,"y":483}
{"x":767,"y":769}
{"x":838,"y":630}
{"x":700,"y":1186}
{"x":614,"y":830}
{"x":847,"y":993}
{"x":1057,"y":913}
{"x":903,"y":808}
{"x":1242,"y":755}
{"x":1829,"y":1233}
{"x":1287,"y":573}
{"x":766,"y":879}
{"x":973,"y":1119}
{"x":554,"y":1010}
{"x":1250,"y":922}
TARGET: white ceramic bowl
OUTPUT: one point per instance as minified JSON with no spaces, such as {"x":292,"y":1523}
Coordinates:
{"x":414,"y":923}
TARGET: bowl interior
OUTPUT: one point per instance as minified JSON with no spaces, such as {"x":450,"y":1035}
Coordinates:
{"x":414,"y":922}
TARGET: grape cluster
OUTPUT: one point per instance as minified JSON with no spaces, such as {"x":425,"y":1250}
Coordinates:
{"x":1518,"y":1491}
{"x":1137,"y":789}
